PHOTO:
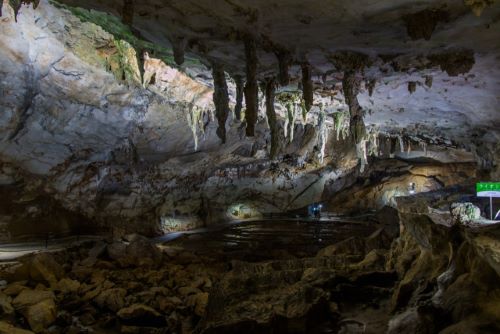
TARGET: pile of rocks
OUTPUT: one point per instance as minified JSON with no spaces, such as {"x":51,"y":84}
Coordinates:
{"x":126,"y":286}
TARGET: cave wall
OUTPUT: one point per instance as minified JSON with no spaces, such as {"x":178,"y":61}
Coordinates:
{"x":126,"y":139}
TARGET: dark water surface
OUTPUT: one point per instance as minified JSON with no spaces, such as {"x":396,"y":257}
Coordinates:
{"x":272,"y":239}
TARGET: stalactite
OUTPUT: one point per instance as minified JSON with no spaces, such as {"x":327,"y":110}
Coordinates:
{"x":285,"y":126}
{"x":423,"y":146}
{"x":221,"y":99}
{"x":304,"y":112}
{"x":350,"y":85}
{"x":401,"y":144}
{"x":128,"y":12}
{"x":341,"y":124}
{"x":361,"y":154}
{"x":271,"y":118}
{"x":194,"y":120}
{"x":292,"y":116}
{"x":373,"y":142}
{"x":322,"y":134}
{"x":251,"y":87}
{"x":16,"y":5}
{"x":239,"y":97}
{"x":370,"y":85}
{"x":307,"y":86}
{"x":408,"y":151}
{"x":284,"y":60}
{"x":179,"y":48}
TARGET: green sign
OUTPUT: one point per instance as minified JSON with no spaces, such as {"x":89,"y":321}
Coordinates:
{"x":488,"y":189}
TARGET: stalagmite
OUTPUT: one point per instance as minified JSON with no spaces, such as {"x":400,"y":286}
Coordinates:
{"x":251,"y":87}
{"x":284,"y":60}
{"x":271,"y":117}
{"x":239,"y":96}
{"x":221,"y":99}
{"x":307,"y":86}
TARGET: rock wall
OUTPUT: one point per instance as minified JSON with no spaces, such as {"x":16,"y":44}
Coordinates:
{"x":448,"y":272}
{"x":83,"y":126}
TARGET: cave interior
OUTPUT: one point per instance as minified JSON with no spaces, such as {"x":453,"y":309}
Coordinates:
{"x":249,"y":166}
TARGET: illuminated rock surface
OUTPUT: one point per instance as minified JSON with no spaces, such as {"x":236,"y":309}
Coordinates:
{"x":139,"y":118}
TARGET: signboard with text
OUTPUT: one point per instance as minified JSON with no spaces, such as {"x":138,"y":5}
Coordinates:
{"x":488,"y":189}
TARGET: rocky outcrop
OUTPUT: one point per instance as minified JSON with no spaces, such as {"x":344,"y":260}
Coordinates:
{"x":386,"y":180}
{"x":446,"y":276}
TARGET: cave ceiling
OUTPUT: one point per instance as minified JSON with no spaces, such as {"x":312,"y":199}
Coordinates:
{"x":431,"y":65}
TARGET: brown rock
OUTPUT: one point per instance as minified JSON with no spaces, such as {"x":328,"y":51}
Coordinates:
{"x":5,"y":305}
{"x":15,"y":288}
{"x":188,"y":290}
{"x":44,"y":268}
{"x":141,"y":315}
{"x":41,"y":315}
{"x":198,"y":302}
{"x":31,"y":297}
{"x":113,"y":299}
{"x":67,"y":285}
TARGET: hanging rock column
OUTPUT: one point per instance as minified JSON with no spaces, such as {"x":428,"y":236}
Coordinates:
{"x":271,"y":117}
{"x":350,"y":85}
{"x":179,"y":48}
{"x":307,"y":86}
{"x":221,"y":99}
{"x":251,"y":87}
{"x":128,"y":12}
{"x":240,"y":86}
{"x":284,"y":60}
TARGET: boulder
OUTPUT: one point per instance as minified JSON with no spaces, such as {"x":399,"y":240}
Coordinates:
{"x":41,"y":315}
{"x":117,"y":251}
{"x":198,"y":302}
{"x":141,"y":315}
{"x":5,"y":305}
{"x":113,"y":299}
{"x":464,"y":213}
{"x":67,"y":285}
{"x":141,"y":252}
{"x":31,"y":297}
{"x":15,"y":288}
{"x":44,"y":268}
